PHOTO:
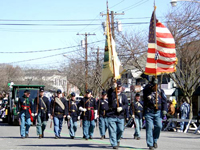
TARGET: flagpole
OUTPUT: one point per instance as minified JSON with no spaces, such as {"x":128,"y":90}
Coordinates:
{"x":112,"y":53}
{"x":155,"y":54}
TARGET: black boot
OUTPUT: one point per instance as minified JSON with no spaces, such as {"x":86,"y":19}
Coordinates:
{"x":155,"y":145}
{"x":40,"y":136}
{"x":151,"y":148}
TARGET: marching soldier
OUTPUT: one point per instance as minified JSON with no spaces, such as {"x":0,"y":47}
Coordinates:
{"x":88,"y":106}
{"x":116,"y":115}
{"x":42,"y":112}
{"x":137,"y":114}
{"x":58,"y":112}
{"x":24,"y":110}
{"x":73,"y":114}
{"x":153,"y":115}
{"x":102,"y":111}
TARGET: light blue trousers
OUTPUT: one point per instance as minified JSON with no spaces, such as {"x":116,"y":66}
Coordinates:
{"x":72,"y":127}
{"x":153,"y":126}
{"x":57,"y":125}
{"x":40,"y":125}
{"x":115,"y":129}
{"x":88,"y":128}
{"x":25,"y":124}
{"x":103,"y":125}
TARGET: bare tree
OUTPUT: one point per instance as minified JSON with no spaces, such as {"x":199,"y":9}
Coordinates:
{"x":185,"y":27}
{"x":8,"y":74}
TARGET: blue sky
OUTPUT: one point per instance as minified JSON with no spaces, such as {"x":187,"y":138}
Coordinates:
{"x":45,"y":35}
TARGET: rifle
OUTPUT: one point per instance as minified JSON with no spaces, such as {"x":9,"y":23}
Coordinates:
{"x":80,"y":122}
{"x":98,"y":114}
{"x":53,"y":112}
{"x":37,"y":103}
{"x":19,"y":121}
{"x":68,"y":123}
{"x":133,"y":109}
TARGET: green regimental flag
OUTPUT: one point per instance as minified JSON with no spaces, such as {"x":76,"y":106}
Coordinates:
{"x":109,"y":54}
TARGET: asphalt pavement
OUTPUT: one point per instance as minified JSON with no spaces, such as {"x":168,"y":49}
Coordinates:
{"x":10,"y":140}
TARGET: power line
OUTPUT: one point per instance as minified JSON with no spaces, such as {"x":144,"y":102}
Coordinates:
{"x":134,"y":5}
{"x":43,"y":57}
{"x":57,"y":49}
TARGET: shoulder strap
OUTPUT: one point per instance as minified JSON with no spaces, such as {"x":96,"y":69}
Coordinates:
{"x":44,"y":104}
{"x":60,"y":103}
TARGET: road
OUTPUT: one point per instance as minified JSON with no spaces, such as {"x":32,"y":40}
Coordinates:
{"x":10,"y":140}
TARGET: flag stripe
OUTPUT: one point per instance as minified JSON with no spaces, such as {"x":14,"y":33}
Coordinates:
{"x":153,"y":71}
{"x":161,"y":57}
{"x":152,"y":50}
{"x":151,"y":60}
{"x":168,"y":40}
{"x":163,"y":35}
{"x":164,"y":45}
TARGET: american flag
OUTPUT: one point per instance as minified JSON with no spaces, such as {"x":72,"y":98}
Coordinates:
{"x":161,"y":54}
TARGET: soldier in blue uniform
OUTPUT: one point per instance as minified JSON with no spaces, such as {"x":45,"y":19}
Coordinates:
{"x":72,"y":116}
{"x":102,"y":111}
{"x":137,"y":114}
{"x":153,"y":115}
{"x":88,"y":106}
{"x":41,"y":112}
{"x":58,"y":112}
{"x":116,"y":114}
{"x":24,"y":107}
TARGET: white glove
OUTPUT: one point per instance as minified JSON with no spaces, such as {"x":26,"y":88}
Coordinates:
{"x":95,"y":115}
{"x":3,"y":109}
{"x":35,"y":114}
{"x":18,"y":113}
{"x":49,"y":115}
{"x":133,"y":116}
{"x":79,"y":117}
{"x":68,"y":117}
{"x":32,"y":114}
{"x":149,"y":97}
{"x":119,"y":109}
{"x":82,"y":109}
{"x":114,"y":85}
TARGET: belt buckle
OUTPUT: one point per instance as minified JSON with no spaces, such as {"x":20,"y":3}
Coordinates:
{"x":25,"y":107}
{"x":88,"y":108}
{"x":138,"y":110}
{"x":73,"y":110}
{"x":42,"y":108}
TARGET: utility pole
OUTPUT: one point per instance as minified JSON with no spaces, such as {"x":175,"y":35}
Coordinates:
{"x":112,"y":21}
{"x":86,"y":59}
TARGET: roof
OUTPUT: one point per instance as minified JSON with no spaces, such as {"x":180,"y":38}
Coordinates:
{"x":27,"y":86}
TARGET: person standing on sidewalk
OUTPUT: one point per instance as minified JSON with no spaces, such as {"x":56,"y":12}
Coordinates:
{"x":185,"y":111}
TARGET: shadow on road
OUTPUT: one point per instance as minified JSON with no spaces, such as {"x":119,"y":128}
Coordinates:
{"x":100,"y":146}
{"x":177,"y":137}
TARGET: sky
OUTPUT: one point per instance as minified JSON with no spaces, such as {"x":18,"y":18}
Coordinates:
{"x":51,"y":26}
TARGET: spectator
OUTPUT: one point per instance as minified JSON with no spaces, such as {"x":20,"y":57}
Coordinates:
{"x":184,"y":110}
{"x":171,"y":113}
